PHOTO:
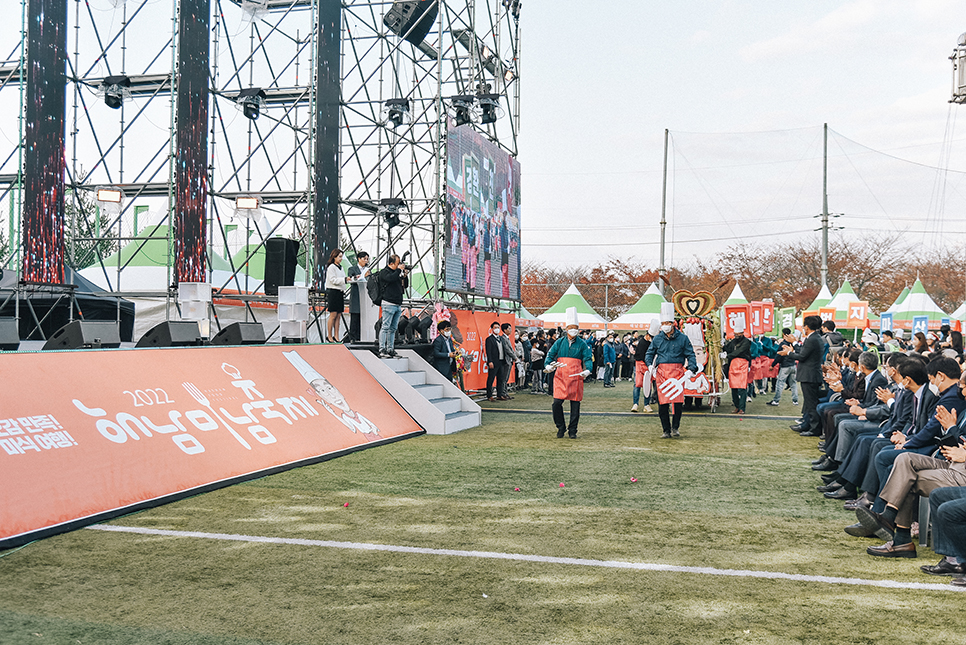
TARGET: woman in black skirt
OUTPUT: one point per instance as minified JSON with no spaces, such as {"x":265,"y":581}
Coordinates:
{"x":335,"y":284}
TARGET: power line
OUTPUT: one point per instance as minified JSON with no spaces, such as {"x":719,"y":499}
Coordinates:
{"x":710,"y":239}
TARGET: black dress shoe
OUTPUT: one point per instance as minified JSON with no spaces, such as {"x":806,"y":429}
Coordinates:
{"x":821,"y":445}
{"x":560,"y":434}
{"x":797,"y":427}
{"x":875,"y":522}
{"x":816,"y":462}
{"x":827,"y":464}
{"x":857,"y":530}
{"x":810,"y":433}
{"x":841,"y":493}
{"x":944,"y":568}
{"x":828,"y":478}
{"x":828,"y":488}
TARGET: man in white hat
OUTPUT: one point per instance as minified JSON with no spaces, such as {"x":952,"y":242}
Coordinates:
{"x":737,"y":352}
{"x":669,"y":352}
{"x":572,"y":359}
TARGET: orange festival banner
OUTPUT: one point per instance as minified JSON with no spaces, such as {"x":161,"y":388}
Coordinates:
{"x":90,"y":435}
{"x":470,"y":330}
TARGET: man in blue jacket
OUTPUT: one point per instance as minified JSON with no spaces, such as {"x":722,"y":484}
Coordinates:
{"x":666,"y":357}
{"x":610,"y":359}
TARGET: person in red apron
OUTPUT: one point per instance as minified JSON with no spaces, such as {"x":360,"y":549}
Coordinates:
{"x":571,"y":360}
{"x":667,"y":356}
{"x":737,"y":352}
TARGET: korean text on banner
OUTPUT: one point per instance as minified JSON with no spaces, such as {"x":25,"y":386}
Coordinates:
{"x":87,"y":435}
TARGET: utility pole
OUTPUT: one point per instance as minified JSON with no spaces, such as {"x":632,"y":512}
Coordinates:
{"x":661,"y":268}
{"x":825,"y":205}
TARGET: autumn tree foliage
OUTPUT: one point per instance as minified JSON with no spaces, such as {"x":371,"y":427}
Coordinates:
{"x":877,"y":267}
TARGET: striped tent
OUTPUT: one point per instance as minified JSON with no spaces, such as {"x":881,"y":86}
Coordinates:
{"x":587,"y":318}
{"x":917,"y":303}
{"x":644,"y":310}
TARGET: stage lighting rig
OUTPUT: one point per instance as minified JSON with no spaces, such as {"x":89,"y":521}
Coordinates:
{"x":115,"y":90}
{"x":389,"y":209}
{"x":109,"y":199}
{"x":395,"y":113}
{"x":250,"y":101}
{"x":513,"y":6}
{"x":490,"y":109}
{"x":461,"y":109}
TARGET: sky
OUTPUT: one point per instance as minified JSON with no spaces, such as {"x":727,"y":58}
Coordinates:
{"x":601,"y":81}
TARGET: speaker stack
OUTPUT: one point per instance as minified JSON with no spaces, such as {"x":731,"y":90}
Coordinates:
{"x":85,"y":334}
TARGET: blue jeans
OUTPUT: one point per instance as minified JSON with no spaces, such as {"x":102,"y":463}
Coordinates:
{"x":787,"y":375}
{"x":947,"y":508}
{"x":609,"y":374}
{"x":390,"y":321}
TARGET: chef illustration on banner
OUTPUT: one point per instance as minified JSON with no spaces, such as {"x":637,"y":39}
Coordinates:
{"x":330,"y":397}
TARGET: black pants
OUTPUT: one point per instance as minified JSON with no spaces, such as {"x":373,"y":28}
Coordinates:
{"x":739,"y":396}
{"x":355,"y":327}
{"x":499,"y":374}
{"x":810,"y":396}
{"x":664,"y":411}
{"x":558,"y":417}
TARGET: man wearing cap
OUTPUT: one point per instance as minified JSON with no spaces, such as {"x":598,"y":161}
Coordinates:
{"x":737,"y":352}
{"x":572,"y":360}
{"x":667,"y":355}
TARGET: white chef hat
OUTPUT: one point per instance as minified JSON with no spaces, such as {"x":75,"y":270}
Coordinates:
{"x":869,"y":336}
{"x":572,"y":317}
{"x":654,"y":327}
{"x":667,"y":311}
{"x":738,"y":326}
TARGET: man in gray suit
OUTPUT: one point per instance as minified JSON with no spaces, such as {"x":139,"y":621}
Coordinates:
{"x":355,"y":311}
{"x":809,"y":359}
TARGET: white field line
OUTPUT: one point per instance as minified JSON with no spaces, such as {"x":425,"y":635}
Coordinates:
{"x":543,"y":559}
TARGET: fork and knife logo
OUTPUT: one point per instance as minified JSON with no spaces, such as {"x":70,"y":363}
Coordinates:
{"x":200,"y":397}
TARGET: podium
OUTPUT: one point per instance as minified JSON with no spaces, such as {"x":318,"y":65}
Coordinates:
{"x":368,"y":313}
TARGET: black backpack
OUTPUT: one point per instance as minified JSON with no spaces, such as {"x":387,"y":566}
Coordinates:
{"x":374,"y":287}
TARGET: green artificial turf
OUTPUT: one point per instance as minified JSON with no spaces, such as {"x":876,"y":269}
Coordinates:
{"x":732,"y":493}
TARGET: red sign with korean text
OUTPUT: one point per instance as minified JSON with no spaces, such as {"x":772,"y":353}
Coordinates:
{"x":767,"y":317}
{"x":471,"y":330}
{"x":858,"y":314}
{"x":736,"y":315}
{"x":757,"y":323}
{"x":826,"y":313}
{"x":86,"y":435}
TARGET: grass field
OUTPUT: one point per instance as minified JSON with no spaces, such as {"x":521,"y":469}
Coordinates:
{"x":731,"y":494}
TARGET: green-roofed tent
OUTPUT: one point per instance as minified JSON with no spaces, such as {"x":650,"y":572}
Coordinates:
{"x":959,"y":314}
{"x":644,"y":310}
{"x":587,"y":318}
{"x":527,"y":319}
{"x":899,"y":301}
{"x":822,"y":299}
{"x":917,"y":303}
{"x":736,"y":297}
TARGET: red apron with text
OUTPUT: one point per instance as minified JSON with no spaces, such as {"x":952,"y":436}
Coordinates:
{"x":664,"y":372}
{"x":566,"y":384}
{"x":738,"y":374}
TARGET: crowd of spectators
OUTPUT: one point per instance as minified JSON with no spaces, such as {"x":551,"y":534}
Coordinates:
{"x":891,"y":422}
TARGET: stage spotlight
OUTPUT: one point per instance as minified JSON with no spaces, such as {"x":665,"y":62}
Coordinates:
{"x":490,"y":108}
{"x":110,"y":195}
{"x":248,"y":207}
{"x":389,"y":209}
{"x":115,"y":90}
{"x":508,"y":76}
{"x":396,"y":113}
{"x":461,"y":109}
{"x":250,"y":101}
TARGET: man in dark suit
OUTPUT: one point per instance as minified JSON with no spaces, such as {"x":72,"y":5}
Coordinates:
{"x":355,"y":311}
{"x":809,"y":359}
{"x":444,"y":353}
{"x":496,"y":363}
{"x":872,"y":380}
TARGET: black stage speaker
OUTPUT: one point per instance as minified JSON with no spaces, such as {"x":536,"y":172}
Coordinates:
{"x":281,"y":258}
{"x":173,"y":333}
{"x":9,"y":335}
{"x":82,"y":334}
{"x":412,"y":20}
{"x":241,"y":333}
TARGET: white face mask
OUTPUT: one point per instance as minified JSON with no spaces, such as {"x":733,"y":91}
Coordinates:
{"x":496,"y":332}
{"x":934,"y":388}
{"x":667,"y":328}
{"x":572,"y":332}
{"x":447,"y":333}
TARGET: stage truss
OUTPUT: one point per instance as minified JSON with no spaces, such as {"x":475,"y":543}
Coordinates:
{"x":272,"y":45}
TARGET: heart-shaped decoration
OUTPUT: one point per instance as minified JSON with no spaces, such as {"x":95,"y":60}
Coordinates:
{"x":686,"y":303}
